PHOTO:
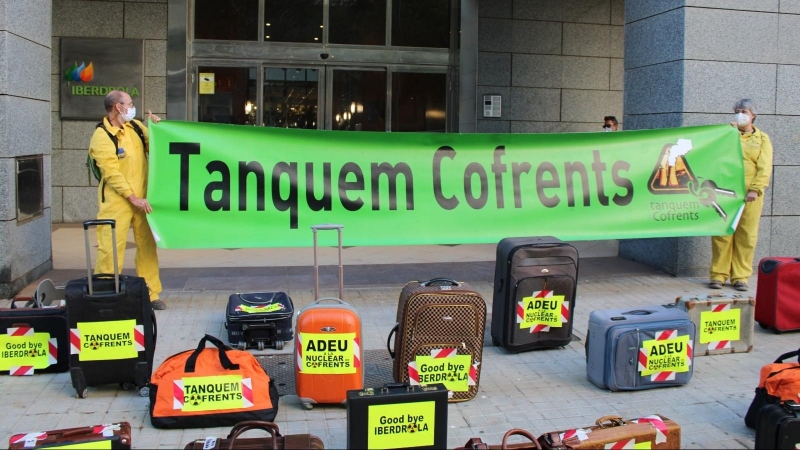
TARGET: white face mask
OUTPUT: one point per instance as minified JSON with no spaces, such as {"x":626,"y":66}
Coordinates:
{"x":742,"y":119}
{"x":130,"y":114}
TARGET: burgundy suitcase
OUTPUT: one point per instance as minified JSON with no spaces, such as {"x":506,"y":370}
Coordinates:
{"x":778,"y":294}
{"x":115,"y":436}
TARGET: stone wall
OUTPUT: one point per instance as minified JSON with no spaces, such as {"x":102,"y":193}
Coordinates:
{"x":686,"y":63}
{"x":558,"y":65}
{"x":74,"y":198}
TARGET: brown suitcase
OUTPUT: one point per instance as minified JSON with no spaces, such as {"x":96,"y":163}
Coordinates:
{"x":612,"y":432}
{"x":478,"y":444}
{"x":275,"y":441}
{"x":440,"y":327}
{"x":114,"y":436}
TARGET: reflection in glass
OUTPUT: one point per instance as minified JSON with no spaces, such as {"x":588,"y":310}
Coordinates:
{"x":358,"y":22}
{"x":234,"y":97}
{"x":230,"y":20}
{"x":359,"y":100}
{"x":293,"y":21}
{"x":291,"y":97}
{"x":421,"y":23}
{"x":419,"y":101}
{"x":30,"y":190}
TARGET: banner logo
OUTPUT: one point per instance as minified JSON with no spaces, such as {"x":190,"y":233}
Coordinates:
{"x":401,"y":425}
{"x":80,"y":73}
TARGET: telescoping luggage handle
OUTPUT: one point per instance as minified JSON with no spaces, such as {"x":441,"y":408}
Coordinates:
{"x":323,"y":227}
{"x":94,"y":223}
{"x":226,"y":363}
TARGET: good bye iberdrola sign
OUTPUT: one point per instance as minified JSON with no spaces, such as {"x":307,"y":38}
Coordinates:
{"x":226,"y":186}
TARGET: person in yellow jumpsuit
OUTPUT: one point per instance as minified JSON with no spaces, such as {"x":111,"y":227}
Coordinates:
{"x":122,"y":193}
{"x":732,"y":256}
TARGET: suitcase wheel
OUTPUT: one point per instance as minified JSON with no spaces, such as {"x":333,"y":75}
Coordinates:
{"x":279,"y":345}
{"x":261,"y":345}
{"x":144,"y":391}
{"x":308,"y":406}
{"x":83,"y":393}
{"x":762,"y":325}
{"x":127,"y":385}
{"x":242,"y":345}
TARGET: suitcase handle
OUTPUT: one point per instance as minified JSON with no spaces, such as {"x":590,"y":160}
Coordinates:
{"x":518,"y":432}
{"x":388,"y":386}
{"x":322,"y":227}
{"x":616,"y":421}
{"x":113,"y":224}
{"x":637,"y":312}
{"x":786,"y":356}
{"x":388,"y":341}
{"x":226,"y":363}
{"x":241,"y":427}
{"x":438,"y":280}
{"x":791,"y":406}
{"x":338,"y":300}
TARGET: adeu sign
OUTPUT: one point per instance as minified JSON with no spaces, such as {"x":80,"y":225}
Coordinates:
{"x":91,"y":68}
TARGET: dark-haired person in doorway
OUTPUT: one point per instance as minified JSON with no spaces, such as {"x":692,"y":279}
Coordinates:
{"x":122,"y":193}
{"x":732,"y":256}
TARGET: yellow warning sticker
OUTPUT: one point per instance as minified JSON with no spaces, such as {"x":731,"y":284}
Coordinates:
{"x":104,"y":341}
{"x":532,"y":311}
{"x":100,"y":445}
{"x":453,"y":371}
{"x":327,"y":353}
{"x":668,"y":355}
{"x":401,"y":425}
{"x":272,"y":307}
{"x":207,"y":83}
{"x":720,"y":326}
{"x":212,"y":393}
{"x":31,"y":350}
{"x":646,"y":445}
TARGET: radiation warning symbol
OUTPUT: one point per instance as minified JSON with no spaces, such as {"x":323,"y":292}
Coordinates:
{"x":194,"y":399}
{"x":412,"y":428}
{"x":32,"y":353}
{"x":94,"y":345}
{"x":672,"y":174}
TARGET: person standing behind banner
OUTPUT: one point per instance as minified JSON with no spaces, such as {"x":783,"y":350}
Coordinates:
{"x":732,"y":256}
{"x":122,"y":193}
{"x":610,"y":123}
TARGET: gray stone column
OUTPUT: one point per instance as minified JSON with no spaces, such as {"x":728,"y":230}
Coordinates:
{"x":686,"y":63}
{"x":25,"y":246}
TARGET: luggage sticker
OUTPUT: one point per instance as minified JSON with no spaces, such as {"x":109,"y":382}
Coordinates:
{"x":720,"y":326}
{"x":92,"y":445}
{"x":105,"y":341}
{"x":22,"y":350}
{"x":581,"y":433}
{"x":29,"y":439}
{"x":272,"y":307}
{"x":401,"y":425}
{"x":540,"y":311}
{"x":214,"y":393}
{"x":658,"y":423}
{"x":629,"y":444}
{"x":444,"y":366}
{"x":666,"y":355}
{"x":328,"y":353}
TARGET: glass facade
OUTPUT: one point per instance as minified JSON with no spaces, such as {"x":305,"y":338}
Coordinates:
{"x":291,"y":97}
{"x":233,"y":99}
{"x":234,"y":20}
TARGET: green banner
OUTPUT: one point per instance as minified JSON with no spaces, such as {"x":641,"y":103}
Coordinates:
{"x":227,"y":186}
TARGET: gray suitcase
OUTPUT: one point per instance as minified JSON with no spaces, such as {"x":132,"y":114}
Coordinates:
{"x":639,"y":348}
{"x":724,"y":322}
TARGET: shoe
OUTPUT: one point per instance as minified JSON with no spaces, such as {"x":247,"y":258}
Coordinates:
{"x":740,"y":286}
{"x":158,"y":305}
{"x":714,"y":284}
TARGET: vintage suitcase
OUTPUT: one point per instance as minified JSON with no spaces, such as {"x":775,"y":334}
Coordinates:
{"x":35,"y":337}
{"x":533,"y":303}
{"x":259,"y":320}
{"x":639,"y":348}
{"x":439,"y":336}
{"x":112,"y":327}
{"x":478,"y":444}
{"x":654,"y":432}
{"x":275,"y":440}
{"x":397,"y":416}
{"x":778,"y":426}
{"x":328,"y":355}
{"x":724,"y":322}
{"x":778,"y":294}
{"x":111,"y":436}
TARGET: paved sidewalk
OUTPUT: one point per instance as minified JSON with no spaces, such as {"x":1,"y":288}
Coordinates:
{"x":539,"y":391}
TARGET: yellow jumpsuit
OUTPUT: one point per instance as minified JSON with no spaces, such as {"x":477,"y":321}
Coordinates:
{"x":732,"y":256}
{"x":121,"y":178}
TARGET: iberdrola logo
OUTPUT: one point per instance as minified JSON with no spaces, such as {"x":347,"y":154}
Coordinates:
{"x":80,"y":73}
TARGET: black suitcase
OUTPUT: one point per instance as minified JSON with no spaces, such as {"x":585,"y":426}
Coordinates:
{"x":260,"y":319}
{"x":112,"y":327}
{"x":778,"y":426}
{"x":534,"y":293}
{"x":397,"y":416}
{"x":35,"y":337}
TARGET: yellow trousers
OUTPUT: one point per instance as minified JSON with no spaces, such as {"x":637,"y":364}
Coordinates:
{"x":732,"y":256}
{"x":146,"y":256}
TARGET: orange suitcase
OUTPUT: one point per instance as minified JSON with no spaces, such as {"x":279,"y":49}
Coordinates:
{"x":328,"y":355}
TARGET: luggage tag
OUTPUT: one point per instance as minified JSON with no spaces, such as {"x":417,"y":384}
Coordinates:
{"x":210,"y":443}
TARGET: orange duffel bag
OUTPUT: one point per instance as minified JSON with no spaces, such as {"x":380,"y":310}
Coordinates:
{"x":779,"y":381}
{"x":211,"y":387}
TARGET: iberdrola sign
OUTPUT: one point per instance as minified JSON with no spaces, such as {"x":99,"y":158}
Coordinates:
{"x":227,"y":186}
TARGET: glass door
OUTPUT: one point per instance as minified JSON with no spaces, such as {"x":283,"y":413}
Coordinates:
{"x":291,"y":97}
{"x":356,"y":99}
{"x":227,"y":95}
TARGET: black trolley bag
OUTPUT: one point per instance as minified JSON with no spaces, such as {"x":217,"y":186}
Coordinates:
{"x":533,"y":274}
{"x":778,"y":426}
{"x":112,"y":327}
{"x":35,"y":337}
{"x":259,"y":319}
